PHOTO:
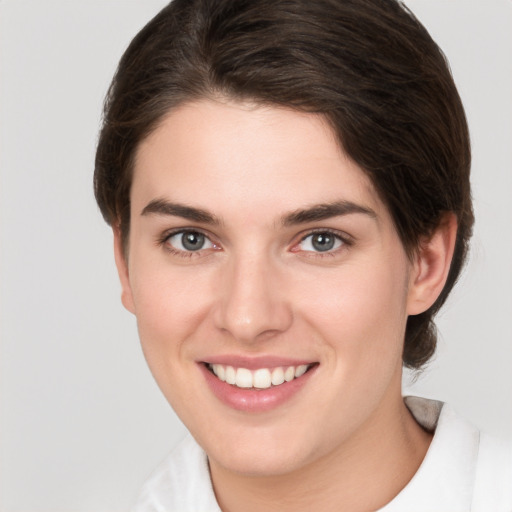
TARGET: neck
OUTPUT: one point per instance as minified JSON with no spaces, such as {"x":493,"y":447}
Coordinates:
{"x":364,"y":473}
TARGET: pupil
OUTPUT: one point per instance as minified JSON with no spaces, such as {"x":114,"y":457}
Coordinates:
{"x":192,"y":241}
{"x":323,"y":242}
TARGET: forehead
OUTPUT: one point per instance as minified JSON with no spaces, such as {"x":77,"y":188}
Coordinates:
{"x":239,"y":156}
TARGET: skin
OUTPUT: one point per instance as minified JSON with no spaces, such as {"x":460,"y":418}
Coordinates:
{"x":259,"y":287}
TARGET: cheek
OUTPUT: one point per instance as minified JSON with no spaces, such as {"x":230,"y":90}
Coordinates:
{"x":361,"y":311}
{"x":170,"y":305}
{"x":170,"y":311}
{"x":359,"y":319}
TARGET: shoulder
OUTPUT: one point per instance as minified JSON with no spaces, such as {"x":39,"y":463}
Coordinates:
{"x":180,"y":484}
{"x":463,"y":470}
{"x":483,"y":463}
{"x":493,"y":478}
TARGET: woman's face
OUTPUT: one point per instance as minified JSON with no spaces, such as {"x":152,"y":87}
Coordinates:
{"x":259,"y":250}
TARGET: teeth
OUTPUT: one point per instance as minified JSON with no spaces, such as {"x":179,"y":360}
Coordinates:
{"x":289,"y":374}
{"x":230,"y":375}
{"x":243,"y":378}
{"x":277,"y":376}
{"x":300,"y":370}
{"x":262,"y":378}
{"x":220,"y":371}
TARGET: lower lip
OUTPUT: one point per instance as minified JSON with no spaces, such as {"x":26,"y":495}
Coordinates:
{"x":255,"y":400}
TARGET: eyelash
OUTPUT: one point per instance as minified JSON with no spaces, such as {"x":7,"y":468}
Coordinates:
{"x":164,"y":239}
{"x":345,"y":240}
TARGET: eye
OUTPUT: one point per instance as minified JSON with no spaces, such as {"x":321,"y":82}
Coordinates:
{"x":323,"y":241}
{"x":189,"y":241}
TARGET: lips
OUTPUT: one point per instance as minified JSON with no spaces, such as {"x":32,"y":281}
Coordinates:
{"x":256,"y":384}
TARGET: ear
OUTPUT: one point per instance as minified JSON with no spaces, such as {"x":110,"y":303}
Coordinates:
{"x":123,"y":271}
{"x":431,"y":265}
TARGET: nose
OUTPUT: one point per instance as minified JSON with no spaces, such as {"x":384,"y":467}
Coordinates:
{"x":252,"y":302}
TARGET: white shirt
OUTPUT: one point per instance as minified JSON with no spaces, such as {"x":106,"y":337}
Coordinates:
{"x":463,"y":471}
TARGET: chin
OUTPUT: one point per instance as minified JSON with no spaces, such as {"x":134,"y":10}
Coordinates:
{"x":260,"y":453}
{"x":265,"y":464}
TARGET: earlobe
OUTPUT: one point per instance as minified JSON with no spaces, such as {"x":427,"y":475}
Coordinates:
{"x":122,"y":270}
{"x":431,"y":266}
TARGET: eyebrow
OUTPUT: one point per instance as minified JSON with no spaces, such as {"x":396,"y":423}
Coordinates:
{"x":325,"y":211}
{"x":163,"y":207}
{"x":301,"y":216}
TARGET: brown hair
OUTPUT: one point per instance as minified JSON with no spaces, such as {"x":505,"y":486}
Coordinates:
{"x":368,"y":66}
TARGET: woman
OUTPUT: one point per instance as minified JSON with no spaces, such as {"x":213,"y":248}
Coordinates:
{"x":288,"y":185}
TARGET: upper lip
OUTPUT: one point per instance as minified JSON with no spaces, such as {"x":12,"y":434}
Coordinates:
{"x":255,"y":362}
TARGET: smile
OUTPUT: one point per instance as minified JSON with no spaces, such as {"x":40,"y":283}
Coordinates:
{"x":261,"y":378}
{"x":256,"y":385}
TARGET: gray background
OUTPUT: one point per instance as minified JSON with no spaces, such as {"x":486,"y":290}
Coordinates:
{"x":82,"y":422}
